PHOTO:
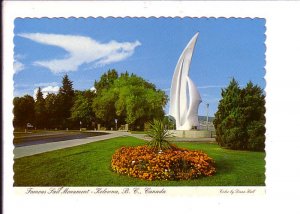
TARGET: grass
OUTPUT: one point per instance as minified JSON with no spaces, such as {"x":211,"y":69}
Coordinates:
{"x":89,"y":165}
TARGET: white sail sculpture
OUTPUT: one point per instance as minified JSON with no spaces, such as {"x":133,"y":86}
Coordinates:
{"x":184,"y":96}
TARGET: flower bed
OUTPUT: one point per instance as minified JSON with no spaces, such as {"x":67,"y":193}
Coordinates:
{"x":172,"y":164}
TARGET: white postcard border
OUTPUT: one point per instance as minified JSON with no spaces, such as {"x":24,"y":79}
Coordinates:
{"x":282,"y":77}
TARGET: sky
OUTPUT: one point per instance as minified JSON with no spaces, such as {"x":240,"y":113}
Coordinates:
{"x":84,"y":48}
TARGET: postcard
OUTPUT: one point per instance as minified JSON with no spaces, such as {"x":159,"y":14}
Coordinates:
{"x":128,"y":100}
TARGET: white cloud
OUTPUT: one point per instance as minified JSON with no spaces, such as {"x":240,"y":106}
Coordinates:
{"x":81,"y":50}
{"x":19,"y":56}
{"x":46,"y":90}
{"x":46,"y":84}
{"x":18,"y":66}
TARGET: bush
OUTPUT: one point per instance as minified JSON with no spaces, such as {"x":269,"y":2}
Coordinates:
{"x":240,"y":119}
{"x":173,"y":164}
{"x":256,"y":132}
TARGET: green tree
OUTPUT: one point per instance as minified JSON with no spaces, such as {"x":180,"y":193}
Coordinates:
{"x":106,"y":80}
{"x":169,"y":122}
{"x":240,"y":120}
{"x":40,"y":110}
{"x":66,"y":96}
{"x":130,"y":99}
{"x":82,"y":110}
{"x":254,"y":111}
{"x":104,"y":102}
{"x":138,"y":100}
{"x":52,"y":111}
{"x":23,"y":111}
{"x":104,"y":107}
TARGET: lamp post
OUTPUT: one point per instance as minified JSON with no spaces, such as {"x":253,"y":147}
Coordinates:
{"x":207,"y":105}
{"x":116,"y":122}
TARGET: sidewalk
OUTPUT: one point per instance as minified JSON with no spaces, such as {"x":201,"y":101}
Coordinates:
{"x":24,"y":151}
{"x":46,"y":147}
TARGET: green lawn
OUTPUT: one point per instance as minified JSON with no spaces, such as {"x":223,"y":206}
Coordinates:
{"x":89,"y":165}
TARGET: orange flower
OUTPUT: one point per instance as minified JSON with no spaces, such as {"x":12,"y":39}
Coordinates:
{"x":144,"y":163}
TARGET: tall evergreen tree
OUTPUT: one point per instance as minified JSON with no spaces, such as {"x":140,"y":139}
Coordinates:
{"x":254,"y":111}
{"x":240,"y":120}
{"x":66,"y":100}
{"x":40,"y":110}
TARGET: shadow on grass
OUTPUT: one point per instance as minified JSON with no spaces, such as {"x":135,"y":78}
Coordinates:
{"x":223,"y":166}
{"x":79,"y":153}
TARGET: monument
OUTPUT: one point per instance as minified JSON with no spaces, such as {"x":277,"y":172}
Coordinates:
{"x":184,"y":96}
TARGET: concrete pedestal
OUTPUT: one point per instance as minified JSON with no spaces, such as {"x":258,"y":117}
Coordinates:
{"x":191,"y":133}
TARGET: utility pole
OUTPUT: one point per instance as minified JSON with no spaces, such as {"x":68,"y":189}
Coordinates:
{"x":207,"y":105}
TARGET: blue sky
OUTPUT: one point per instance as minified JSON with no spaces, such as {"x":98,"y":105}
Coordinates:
{"x":46,"y":49}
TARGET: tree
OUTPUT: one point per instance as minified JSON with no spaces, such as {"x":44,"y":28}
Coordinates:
{"x":240,"y":120}
{"x":82,"y":110}
{"x":40,"y":110}
{"x":254,"y":100}
{"x":104,"y":107}
{"x":138,"y":100}
{"x":52,"y":111}
{"x":65,"y":101}
{"x":130,"y":99}
{"x":103,"y":104}
{"x":23,"y":111}
{"x":106,"y":80}
{"x":169,"y":122}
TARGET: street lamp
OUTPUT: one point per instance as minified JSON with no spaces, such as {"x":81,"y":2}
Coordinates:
{"x":116,"y":122}
{"x":207,"y":105}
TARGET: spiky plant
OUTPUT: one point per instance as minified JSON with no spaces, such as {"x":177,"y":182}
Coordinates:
{"x":159,"y":135}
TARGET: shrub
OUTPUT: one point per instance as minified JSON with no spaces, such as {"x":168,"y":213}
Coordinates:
{"x":240,"y":119}
{"x":159,"y":135}
{"x":173,"y":164}
{"x":256,"y":132}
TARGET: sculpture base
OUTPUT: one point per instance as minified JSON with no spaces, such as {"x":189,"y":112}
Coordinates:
{"x":192,"y":133}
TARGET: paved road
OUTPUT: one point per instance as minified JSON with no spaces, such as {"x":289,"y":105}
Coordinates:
{"x":29,"y":150}
{"x":46,"y":147}
{"x":52,"y":136}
